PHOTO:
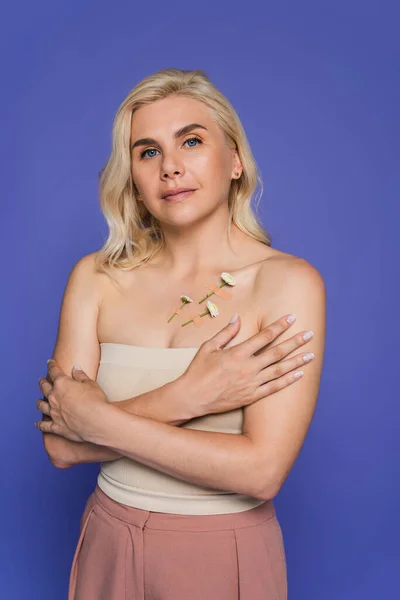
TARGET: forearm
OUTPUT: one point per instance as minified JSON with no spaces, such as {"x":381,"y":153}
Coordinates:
{"x":65,"y":453}
{"x":216,"y":460}
{"x":164,"y":404}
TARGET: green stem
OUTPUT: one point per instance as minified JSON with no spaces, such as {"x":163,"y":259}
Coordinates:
{"x":173,"y":315}
{"x":208,"y":295}
{"x":191,"y":320}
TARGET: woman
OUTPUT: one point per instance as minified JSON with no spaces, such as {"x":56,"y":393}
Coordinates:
{"x":196,"y":427}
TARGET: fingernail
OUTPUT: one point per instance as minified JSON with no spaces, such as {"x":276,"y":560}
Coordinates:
{"x":48,"y":360}
{"x":298,"y":374}
{"x":77,"y":367}
{"x":234,"y":318}
{"x":291,"y":318}
{"x":307,"y":335}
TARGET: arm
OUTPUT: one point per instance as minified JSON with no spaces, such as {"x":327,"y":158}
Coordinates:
{"x":77,"y":342}
{"x":278,"y":424}
{"x":257,"y":461}
{"x":65,"y":453}
{"x":163,"y":404}
{"x":221,"y":461}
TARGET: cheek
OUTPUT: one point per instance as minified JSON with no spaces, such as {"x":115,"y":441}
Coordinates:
{"x":208,"y":168}
{"x":147,"y":181}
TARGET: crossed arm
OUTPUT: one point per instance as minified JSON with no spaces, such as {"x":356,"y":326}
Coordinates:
{"x":145,"y":429}
{"x":255,"y":462}
{"x":154,"y":405}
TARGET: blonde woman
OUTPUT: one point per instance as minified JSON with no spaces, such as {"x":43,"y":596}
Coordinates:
{"x":196,"y":420}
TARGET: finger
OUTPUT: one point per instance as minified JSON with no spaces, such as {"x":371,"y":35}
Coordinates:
{"x":220,"y":340}
{"x":43,"y":406}
{"x":283,"y":367}
{"x":266,"y":335}
{"x":272,"y":355}
{"x":45,"y":387}
{"x":78,"y":374}
{"x":277,"y":384}
{"x":45,"y":426}
{"x":53,"y":370}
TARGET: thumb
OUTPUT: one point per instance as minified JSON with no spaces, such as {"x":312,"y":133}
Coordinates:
{"x":227,"y":333}
{"x":78,"y":374}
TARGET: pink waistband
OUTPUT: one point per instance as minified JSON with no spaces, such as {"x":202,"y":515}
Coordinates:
{"x":159,"y":520}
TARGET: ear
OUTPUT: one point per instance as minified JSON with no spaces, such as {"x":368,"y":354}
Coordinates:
{"x":237,"y":166}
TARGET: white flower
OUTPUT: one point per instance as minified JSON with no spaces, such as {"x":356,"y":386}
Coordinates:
{"x":212,"y":308}
{"x":186,"y":299}
{"x":228,"y":278}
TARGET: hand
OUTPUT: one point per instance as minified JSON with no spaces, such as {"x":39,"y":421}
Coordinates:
{"x":72,"y":403}
{"x":59,"y":449}
{"x":224,"y":379}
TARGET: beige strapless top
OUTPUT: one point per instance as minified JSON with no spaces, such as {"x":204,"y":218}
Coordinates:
{"x":126,"y":371}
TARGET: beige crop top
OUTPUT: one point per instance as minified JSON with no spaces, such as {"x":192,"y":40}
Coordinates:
{"x":126,"y":371}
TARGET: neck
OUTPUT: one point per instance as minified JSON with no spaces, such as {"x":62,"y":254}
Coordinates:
{"x":203,"y":249}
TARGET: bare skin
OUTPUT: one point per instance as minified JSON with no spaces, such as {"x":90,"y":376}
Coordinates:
{"x":197,"y":250}
{"x":140,"y":316}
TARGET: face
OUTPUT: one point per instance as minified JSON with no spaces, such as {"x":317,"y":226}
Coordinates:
{"x":198,"y":158}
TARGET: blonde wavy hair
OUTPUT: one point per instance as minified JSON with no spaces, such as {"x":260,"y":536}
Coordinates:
{"x":135,"y":235}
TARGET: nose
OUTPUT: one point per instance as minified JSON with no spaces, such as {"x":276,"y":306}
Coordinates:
{"x":170,"y":174}
{"x":171,"y":166}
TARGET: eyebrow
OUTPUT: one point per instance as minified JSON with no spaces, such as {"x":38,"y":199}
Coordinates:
{"x":182,"y":131}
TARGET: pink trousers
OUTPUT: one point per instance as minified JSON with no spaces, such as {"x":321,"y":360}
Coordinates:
{"x":126,"y":553}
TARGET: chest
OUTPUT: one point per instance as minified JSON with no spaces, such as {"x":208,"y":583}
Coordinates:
{"x":142,"y":311}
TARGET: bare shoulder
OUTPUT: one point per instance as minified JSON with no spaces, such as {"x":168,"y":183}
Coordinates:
{"x":76,"y":340}
{"x":85,"y":273}
{"x":86,"y":265}
{"x":284,"y":275}
{"x":284,"y":264}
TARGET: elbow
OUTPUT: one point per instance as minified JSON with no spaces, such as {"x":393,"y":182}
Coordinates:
{"x":266,"y":487}
{"x":52,"y":448}
{"x":59,"y":465}
{"x":266,"y":493}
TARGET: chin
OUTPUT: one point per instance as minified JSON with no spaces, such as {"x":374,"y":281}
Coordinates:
{"x":183,"y":219}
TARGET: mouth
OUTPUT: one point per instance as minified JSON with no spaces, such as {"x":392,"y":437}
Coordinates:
{"x":179,"y":196}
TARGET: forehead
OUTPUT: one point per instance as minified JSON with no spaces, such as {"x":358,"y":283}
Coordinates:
{"x":169,"y":114}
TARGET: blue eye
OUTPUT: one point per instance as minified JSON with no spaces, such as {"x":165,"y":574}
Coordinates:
{"x":148,"y":150}
{"x":194,"y":138}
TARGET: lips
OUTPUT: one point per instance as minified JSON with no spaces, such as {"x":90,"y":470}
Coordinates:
{"x":179,"y":194}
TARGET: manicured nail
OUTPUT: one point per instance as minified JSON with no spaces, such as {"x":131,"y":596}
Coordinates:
{"x":298,"y":374}
{"x":291,"y":318}
{"x":77,"y":368}
{"x":234,"y":318}
{"x":308,"y":335}
{"x":307,"y":357}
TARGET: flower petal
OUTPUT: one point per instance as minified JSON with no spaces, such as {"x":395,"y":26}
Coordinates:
{"x":212,"y":308}
{"x":228,"y":278}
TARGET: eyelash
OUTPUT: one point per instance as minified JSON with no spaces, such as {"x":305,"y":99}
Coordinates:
{"x":188,"y":140}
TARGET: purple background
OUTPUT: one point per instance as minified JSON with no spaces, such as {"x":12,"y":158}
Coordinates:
{"x":316,"y":85}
